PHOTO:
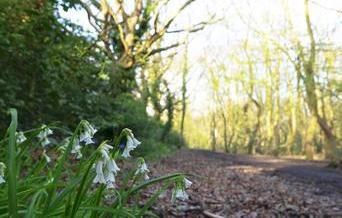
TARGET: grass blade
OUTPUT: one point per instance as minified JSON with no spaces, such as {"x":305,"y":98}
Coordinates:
{"x":11,"y":165}
{"x":82,"y":188}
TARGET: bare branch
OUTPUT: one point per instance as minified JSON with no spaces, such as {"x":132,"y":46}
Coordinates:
{"x":197,"y":27}
{"x":159,"y":50}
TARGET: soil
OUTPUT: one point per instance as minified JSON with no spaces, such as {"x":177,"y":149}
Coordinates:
{"x":226,"y":185}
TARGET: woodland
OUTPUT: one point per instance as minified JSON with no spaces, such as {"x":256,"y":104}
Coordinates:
{"x":170,"y":108}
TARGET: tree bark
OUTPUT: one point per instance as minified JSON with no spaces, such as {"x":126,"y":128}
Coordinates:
{"x":310,"y":87}
{"x":184,"y":90}
{"x":213,"y":132}
{"x":225,"y":137}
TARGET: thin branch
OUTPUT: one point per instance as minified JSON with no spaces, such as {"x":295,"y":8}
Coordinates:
{"x":324,"y":7}
{"x":91,"y":15}
{"x":159,"y":50}
{"x":197,"y":27}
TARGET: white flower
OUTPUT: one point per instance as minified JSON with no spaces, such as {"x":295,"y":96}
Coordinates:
{"x":86,"y":138}
{"x":45,"y":142}
{"x":76,"y":148}
{"x":47,"y":158}
{"x":43,"y":135}
{"x":143,"y":170}
{"x":112,"y":167}
{"x":109,"y":177}
{"x":2,"y":172}
{"x":110,"y":185}
{"x":45,"y":132}
{"x":92,"y":130}
{"x":20,"y":137}
{"x":180,"y":194}
{"x":105,"y":152}
{"x":146,"y":177}
{"x":106,"y":167}
{"x":131,"y":144}
{"x":99,"y":178}
{"x":88,"y":133}
{"x":187,"y":183}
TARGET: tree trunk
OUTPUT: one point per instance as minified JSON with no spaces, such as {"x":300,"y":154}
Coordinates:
{"x":225,"y":137}
{"x":184,"y":91}
{"x":170,"y":111}
{"x":310,"y":87}
{"x":253,"y":135}
{"x":213,"y":132}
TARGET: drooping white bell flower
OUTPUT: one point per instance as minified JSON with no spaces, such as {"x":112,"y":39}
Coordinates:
{"x":76,"y":149}
{"x":87,"y":133}
{"x":99,"y":178}
{"x":179,"y":191}
{"x":112,"y":166}
{"x":143,"y":170}
{"x":131,"y":143}
{"x":146,"y":177}
{"x":110,"y":185}
{"x":109,"y":177}
{"x":180,"y":194}
{"x":105,"y":152}
{"x":45,"y":142}
{"x":86,"y":138}
{"x":187,"y":183}
{"x":2,"y":172}
{"x":43,"y":135}
{"x":47,"y":158}
{"x":20,"y":137}
{"x":106,"y":167}
{"x":45,"y":132}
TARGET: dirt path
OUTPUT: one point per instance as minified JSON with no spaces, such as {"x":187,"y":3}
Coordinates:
{"x":245,"y":186}
{"x":316,"y":172}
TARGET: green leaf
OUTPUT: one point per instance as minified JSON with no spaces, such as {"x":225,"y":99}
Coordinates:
{"x":11,"y":165}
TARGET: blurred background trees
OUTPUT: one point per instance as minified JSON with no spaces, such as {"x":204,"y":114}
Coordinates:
{"x":279,"y":89}
{"x":275,"y":89}
{"x":54,"y":71}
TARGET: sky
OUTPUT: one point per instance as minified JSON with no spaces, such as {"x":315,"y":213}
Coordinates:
{"x":237,"y":18}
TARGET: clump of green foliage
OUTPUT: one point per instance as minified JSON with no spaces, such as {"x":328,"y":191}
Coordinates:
{"x":46,"y":176}
{"x":52,"y":72}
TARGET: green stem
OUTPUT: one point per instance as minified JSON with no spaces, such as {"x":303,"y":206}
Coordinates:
{"x":11,"y":164}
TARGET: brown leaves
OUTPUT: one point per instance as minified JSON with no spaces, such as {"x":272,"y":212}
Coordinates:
{"x":230,"y":189}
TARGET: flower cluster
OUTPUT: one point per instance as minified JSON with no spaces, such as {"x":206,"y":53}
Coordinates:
{"x":20,"y":137}
{"x":106,"y":168}
{"x":44,"y":140}
{"x":142,"y":169}
{"x":131,"y":143}
{"x":86,"y":136}
{"x":43,"y":135}
{"x":179,"y":192}
{"x":98,"y":172}
{"x":88,"y":133}
{"x":2,"y":172}
{"x":76,"y":148}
